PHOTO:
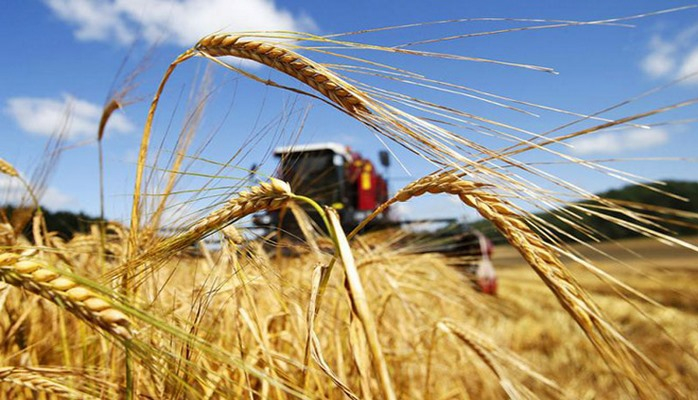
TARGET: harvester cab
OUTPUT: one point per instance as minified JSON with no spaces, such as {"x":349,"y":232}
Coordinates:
{"x":332,"y":175}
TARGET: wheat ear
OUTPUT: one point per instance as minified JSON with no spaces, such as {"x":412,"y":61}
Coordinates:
{"x":286,"y":61}
{"x":500,"y":361}
{"x":266,"y":196}
{"x":33,"y":379}
{"x":7,"y":168}
{"x":612,"y":346}
{"x":26,"y":273}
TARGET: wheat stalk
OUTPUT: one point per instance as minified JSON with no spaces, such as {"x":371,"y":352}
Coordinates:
{"x":113,"y":105}
{"x":265,"y":196}
{"x":313,"y":341}
{"x":26,"y":273}
{"x":500,"y":361}
{"x":360,"y":308}
{"x":615,"y":349}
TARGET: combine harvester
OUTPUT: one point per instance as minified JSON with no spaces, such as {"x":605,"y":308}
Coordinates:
{"x":334,"y":175}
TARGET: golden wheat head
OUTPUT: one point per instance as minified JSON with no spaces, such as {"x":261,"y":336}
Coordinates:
{"x":31,"y":275}
{"x":7,"y":168}
{"x":286,"y":61}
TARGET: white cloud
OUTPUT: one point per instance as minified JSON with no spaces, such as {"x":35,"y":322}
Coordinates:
{"x":181,"y":22}
{"x":690,"y":65}
{"x":44,"y":116}
{"x":673,"y":58}
{"x":12,"y":192}
{"x":661,"y":59}
{"x":401,"y":210}
{"x":619,"y":142}
{"x":54,"y":199}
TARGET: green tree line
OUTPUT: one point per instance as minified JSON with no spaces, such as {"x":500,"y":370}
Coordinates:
{"x":65,"y":223}
{"x":603,"y":229}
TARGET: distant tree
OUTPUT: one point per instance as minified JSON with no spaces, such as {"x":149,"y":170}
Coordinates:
{"x":65,"y":223}
{"x":687,"y":193}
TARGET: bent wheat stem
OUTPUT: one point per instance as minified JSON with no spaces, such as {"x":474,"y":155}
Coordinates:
{"x":360,"y":307}
{"x":266,"y":196}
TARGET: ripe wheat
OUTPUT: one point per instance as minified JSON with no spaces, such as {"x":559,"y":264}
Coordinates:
{"x":286,"y":61}
{"x":7,"y":168}
{"x":541,"y":257}
{"x":26,"y":273}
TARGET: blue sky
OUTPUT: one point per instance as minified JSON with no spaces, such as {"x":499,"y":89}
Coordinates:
{"x":61,"y":54}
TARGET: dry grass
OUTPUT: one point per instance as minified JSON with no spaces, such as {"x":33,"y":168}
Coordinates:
{"x":253,"y":310}
{"x":540,"y":256}
{"x":136,"y":314}
{"x":544,"y":335}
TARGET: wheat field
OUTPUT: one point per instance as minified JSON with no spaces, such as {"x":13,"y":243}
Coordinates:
{"x":128,"y":310}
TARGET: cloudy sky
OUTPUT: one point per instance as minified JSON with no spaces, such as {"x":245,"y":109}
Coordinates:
{"x":62,"y":58}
